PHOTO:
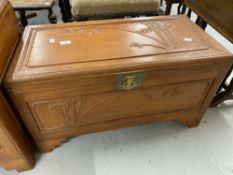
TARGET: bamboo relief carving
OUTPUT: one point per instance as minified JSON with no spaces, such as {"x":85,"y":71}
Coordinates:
{"x":87,"y":32}
{"x":72,"y":109}
{"x":69,"y":108}
{"x":155,"y":31}
{"x":165,"y":38}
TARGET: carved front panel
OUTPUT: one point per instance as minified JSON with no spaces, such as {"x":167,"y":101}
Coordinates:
{"x":75,"y":111}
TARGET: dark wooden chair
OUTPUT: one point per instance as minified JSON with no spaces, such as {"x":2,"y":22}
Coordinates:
{"x":219,"y":15}
{"x":225,"y":91}
{"x":23,"y":6}
{"x":104,"y":9}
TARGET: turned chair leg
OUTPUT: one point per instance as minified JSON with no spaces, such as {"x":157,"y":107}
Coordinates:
{"x":52,"y":17}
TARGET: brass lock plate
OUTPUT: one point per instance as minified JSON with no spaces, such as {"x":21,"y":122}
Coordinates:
{"x":129,"y":81}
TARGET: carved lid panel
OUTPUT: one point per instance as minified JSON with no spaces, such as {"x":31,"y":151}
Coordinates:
{"x":76,"y":44}
{"x":103,"y":44}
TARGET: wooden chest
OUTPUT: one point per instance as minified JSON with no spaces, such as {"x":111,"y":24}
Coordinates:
{"x":84,"y":77}
{"x":15,"y":148}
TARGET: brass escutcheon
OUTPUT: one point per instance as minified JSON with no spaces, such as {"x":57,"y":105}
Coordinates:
{"x":129,"y":83}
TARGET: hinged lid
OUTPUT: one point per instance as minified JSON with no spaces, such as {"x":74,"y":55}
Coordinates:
{"x":94,"y":47}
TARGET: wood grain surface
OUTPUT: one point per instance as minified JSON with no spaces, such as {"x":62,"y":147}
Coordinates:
{"x":16,"y":150}
{"x":9,"y":34}
{"x":64,"y":79}
{"x":219,"y":14}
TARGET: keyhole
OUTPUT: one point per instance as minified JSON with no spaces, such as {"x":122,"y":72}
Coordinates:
{"x":129,"y":84}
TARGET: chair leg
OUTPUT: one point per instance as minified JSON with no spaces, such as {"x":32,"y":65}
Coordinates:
{"x":65,"y":10}
{"x":223,"y":96}
{"x":161,"y":2}
{"x":226,"y":93}
{"x":52,"y":17}
{"x":189,"y":13}
{"x":181,"y":8}
{"x":31,"y":15}
{"x":168,"y":8}
{"x":23,"y":18}
{"x":201,"y":23}
{"x":62,"y":10}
